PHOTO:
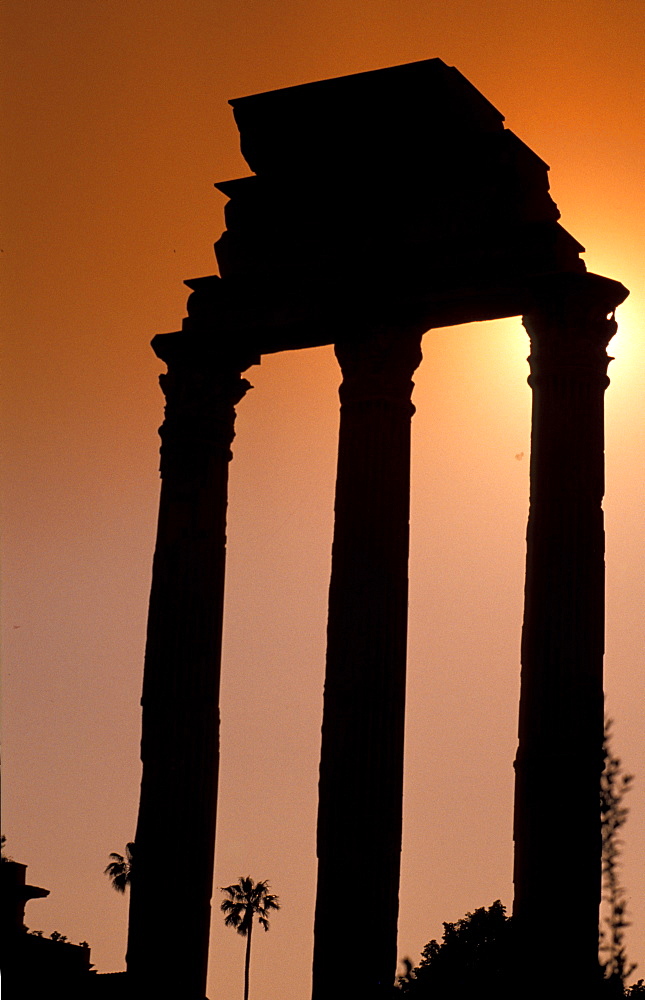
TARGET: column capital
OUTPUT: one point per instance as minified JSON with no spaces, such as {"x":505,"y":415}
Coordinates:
{"x":570,"y":322}
{"x":202,"y":386}
{"x":379,"y":365}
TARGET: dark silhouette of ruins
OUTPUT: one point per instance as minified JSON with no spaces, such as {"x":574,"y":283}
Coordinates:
{"x":34,"y":966}
{"x":382,"y":205}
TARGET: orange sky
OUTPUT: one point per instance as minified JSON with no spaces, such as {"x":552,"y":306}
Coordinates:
{"x":117,"y":127}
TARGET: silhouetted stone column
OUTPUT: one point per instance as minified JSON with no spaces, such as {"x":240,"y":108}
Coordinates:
{"x":361,"y":769}
{"x":175,"y":837}
{"x":559,"y":761}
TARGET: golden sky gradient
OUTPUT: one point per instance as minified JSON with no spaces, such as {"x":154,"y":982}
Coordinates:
{"x":116,"y":126}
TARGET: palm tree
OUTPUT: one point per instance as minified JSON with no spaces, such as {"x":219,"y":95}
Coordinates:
{"x":246,"y":899}
{"x":120,"y":868}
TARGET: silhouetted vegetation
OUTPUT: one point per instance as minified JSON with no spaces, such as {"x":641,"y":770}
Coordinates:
{"x":473,"y":959}
{"x":476,"y":953}
{"x":246,"y":900}
{"x":614,"y":785}
{"x":476,"y":958}
{"x":119,"y":869}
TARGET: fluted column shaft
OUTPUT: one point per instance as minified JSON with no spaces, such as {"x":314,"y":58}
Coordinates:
{"x":361,"y":770}
{"x":559,"y":761}
{"x":175,"y":837}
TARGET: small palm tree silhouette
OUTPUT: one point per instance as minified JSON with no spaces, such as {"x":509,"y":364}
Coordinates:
{"x":120,"y":868}
{"x":246,"y":899}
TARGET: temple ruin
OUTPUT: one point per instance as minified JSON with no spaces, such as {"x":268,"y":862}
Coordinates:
{"x":381,"y":205}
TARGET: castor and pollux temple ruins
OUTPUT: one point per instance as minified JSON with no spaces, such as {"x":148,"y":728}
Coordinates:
{"x":381,"y":205}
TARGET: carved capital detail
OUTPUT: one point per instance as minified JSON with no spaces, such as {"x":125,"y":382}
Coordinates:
{"x":199,"y":421}
{"x":202,"y":386}
{"x":379,"y":366}
{"x":571,"y":323}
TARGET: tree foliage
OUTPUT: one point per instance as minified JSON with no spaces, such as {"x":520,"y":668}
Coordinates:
{"x":614,"y":785}
{"x":119,"y":869}
{"x":246,"y":900}
{"x":474,"y":958}
{"x":3,"y":844}
{"x":476,"y":955}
